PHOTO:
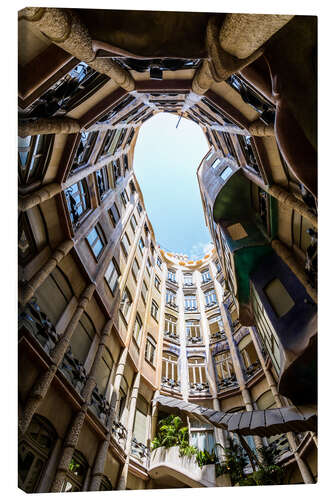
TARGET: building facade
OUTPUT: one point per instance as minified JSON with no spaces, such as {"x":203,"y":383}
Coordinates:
{"x":109,"y":322}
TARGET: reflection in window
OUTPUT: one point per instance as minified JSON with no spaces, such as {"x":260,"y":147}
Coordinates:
{"x":96,"y":240}
{"x":125,"y":304}
{"x":78,"y":200}
{"x":112,"y":275}
{"x":150,"y":349}
{"x":137,"y":329}
{"x":114,"y":214}
{"x":190,"y":302}
{"x":84,"y":150}
{"x":102,"y":180}
{"x":33,"y":153}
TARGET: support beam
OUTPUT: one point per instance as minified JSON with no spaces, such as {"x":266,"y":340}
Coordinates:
{"x":64,"y":28}
{"x":53,"y":125}
{"x":45,"y":193}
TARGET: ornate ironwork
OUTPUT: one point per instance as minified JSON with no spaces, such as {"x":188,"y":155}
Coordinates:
{"x":73,"y":370}
{"x":139,"y":450}
{"x":100,"y":405}
{"x":218,"y":336}
{"x":170,"y":383}
{"x":119,"y":431}
{"x":194,"y":340}
{"x":171,"y":336}
{"x":311,"y":258}
{"x":252,"y":369}
{"x":38,"y":324}
{"x":227,"y":383}
{"x":199,"y":387}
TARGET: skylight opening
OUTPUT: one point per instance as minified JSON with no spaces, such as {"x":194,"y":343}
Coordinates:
{"x":166,"y":159}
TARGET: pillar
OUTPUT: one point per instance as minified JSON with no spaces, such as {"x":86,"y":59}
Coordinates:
{"x":39,"y":390}
{"x":132,"y":407}
{"x":292,"y":202}
{"x":260,"y":129}
{"x":53,"y":125}
{"x":64,"y":28}
{"x":44,"y":193}
{"x":29,"y":288}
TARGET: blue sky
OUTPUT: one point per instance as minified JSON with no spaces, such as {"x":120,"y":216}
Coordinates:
{"x":165,"y":163}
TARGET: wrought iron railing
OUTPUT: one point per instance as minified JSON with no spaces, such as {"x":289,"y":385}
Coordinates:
{"x":140,"y":451}
{"x":214,"y":337}
{"x":73,"y":370}
{"x":227,"y":383}
{"x":170,"y":384}
{"x":194,"y":340}
{"x":100,"y":405}
{"x":173,"y":337}
{"x":199,"y":387}
{"x":119,"y":432}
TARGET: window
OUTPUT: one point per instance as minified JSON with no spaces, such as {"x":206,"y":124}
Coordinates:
{"x":33,"y":155}
{"x":76,"y":473}
{"x":215,"y":162}
{"x":170,"y":297}
{"x":96,"y":240}
{"x":109,"y":142}
{"x":237,"y":232}
{"x":82,"y":338}
{"x":248,"y":352}
{"x":144,"y":291}
{"x":248,"y":152}
{"x":125,"y":244}
{"x":157,"y":282}
{"x":279,"y":297}
{"x":123,"y":391}
{"x":159,"y":262}
{"x":78,"y":200}
{"x":225,"y":174}
{"x":103,"y":372}
{"x":125,"y":304}
{"x":154,"y":309}
{"x":218,"y":266}
{"x":84,"y":150}
{"x":190,"y":302}
{"x":137,"y":329}
{"x":197,"y":370}
{"x":172,"y":275}
{"x":170,"y":324}
{"x":215,"y":326}
{"x":205,"y":275}
{"x":148,"y":266}
{"x":135,"y":269}
{"x":116,"y":170}
{"x":106,"y":484}
{"x":169,"y":367}
{"x":112,"y":275}
{"x":124,"y":198}
{"x":125,"y":162}
{"x":140,"y":421}
{"x":188,"y":279}
{"x":193,"y":330}
{"x":223,"y":366}
{"x":133,"y":223}
{"x":301,"y":237}
{"x":139,"y":209}
{"x":210,"y":297}
{"x":202,"y":436}
{"x":141,"y":245}
{"x":150,"y":349}
{"x":34,"y":448}
{"x":102,"y":181}
{"x":267,"y":334}
{"x":114,"y":215}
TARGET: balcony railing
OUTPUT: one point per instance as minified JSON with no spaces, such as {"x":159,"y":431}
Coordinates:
{"x":173,"y":337}
{"x":214,"y":337}
{"x":119,"y":432}
{"x":170,"y":384}
{"x":188,"y":285}
{"x":194,"y":340}
{"x":252,"y":369}
{"x":172,"y":305}
{"x":73,"y":370}
{"x":191,"y":308}
{"x":199,"y":387}
{"x":140,"y":451}
{"x":211,"y":304}
{"x":227,"y":383}
{"x":39,"y":325}
{"x":206,"y":280}
{"x":172,"y":280}
{"x":100,"y":406}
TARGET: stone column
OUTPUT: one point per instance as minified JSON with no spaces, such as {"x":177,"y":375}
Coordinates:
{"x":29,"y":288}
{"x":48,"y":475}
{"x":64,"y":28}
{"x":132,"y":407}
{"x":53,"y":125}
{"x":292,"y":202}
{"x":260,"y":129}
{"x":44,"y":193}
{"x":287,"y":256}
{"x":303,"y":468}
{"x":40,"y":388}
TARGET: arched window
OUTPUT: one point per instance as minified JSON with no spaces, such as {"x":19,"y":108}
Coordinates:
{"x":33,"y":156}
{"x":170,"y":370}
{"x":82,"y":338}
{"x":193,"y":333}
{"x":188,"y":279}
{"x":210,"y":297}
{"x":216,"y":328}
{"x":150,"y":349}
{"x":103,"y":373}
{"x":197,"y":370}
{"x":170,"y":325}
{"x":76,"y":473}
{"x":106,"y":484}
{"x":34,"y":449}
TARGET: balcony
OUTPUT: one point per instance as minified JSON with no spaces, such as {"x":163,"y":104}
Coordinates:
{"x":206,"y":280}
{"x":252,"y":369}
{"x":194,"y":340}
{"x":100,"y":406}
{"x":140,"y":451}
{"x":170,"y":384}
{"x":74,"y":371}
{"x":227,"y":383}
{"x":199,"y":388}
{"x":211,"y":305}
{"x":188,"y":285}
{"x":38,"y":324}
{"x":214,"y":337}
{"x":172,"y":305}
{"x":119,"y":432}
{"x":190,"y":308}
{"x":172,"y":337}
{"x":172,"y":281}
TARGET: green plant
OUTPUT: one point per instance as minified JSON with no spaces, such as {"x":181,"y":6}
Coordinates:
{"x":233,"y":464}
{"x":204,"y":457}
